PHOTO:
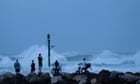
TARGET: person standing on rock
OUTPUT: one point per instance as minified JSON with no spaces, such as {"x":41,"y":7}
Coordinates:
{"x":40,"y":63}
{"x":17,"y":66}
{"x":32,"y":67}
{"x":57,"y":67}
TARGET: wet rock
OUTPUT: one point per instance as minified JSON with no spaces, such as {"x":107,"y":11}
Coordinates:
{"x":130,"y":78}
{"x":82,"y":82}
{"x":68,"y":78}
{"x":56,"y":79}
{"x":43,"y":78}
{"x":80,"y":77}
{"x":93,"y":81}
{"x":7,"y":78}
{"x":10,"y":78}
{"x":19,"y":79}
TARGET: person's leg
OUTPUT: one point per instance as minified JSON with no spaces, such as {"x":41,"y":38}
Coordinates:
{"x":57,"y":69}
{"x":39,"y":69}
{"x":16,"y":70}
{"x":83,"y":69}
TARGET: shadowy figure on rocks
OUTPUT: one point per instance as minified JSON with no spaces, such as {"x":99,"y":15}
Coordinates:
{"x":56,"y":69}
{"x":40,"y":59}
{"x":83,"y":66}
{"x":32,"y":67}
{"x":17,"y":66}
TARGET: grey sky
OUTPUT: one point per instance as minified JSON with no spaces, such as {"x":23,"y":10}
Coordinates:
{"x":84,"y":26}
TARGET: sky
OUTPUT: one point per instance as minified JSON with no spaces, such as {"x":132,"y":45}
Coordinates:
{"x":83,"y":26}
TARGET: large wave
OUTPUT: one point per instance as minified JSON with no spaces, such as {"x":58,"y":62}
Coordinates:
{"x":69,"y":61}
{"x":27,"y":56}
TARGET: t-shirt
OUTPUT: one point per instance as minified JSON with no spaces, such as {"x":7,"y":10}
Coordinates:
{"x":83,"y":64}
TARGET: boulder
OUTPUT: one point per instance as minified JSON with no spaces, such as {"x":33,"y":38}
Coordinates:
{"x":138,"y":82}
{"x":104,"y":77}
{"x":78,"y":78}
{"x":45,"y":78}
{"x":93,"y":81}
{"x":130,"y":78}
{"x":19,"y":79}
{"x":10,"y":78}
{"x":82,"y":82}
{"x":67,"y":76}
{"x":56,"y":79}
{"x":7,"y":78}
{"x":33,"y":78}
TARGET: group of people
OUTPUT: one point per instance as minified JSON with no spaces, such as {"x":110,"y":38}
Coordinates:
{"x":83,"y":66}
{"x":17,"y":65}
{"x":56,"y":67}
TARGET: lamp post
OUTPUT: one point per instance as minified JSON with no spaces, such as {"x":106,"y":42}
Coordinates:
{"x":49,"y":54}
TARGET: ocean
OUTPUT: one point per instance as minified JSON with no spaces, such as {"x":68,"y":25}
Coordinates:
{"x":123,"y":62}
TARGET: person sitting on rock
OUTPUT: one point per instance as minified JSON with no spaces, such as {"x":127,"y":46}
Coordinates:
{"x":83,"y":65}
{"x":32,"y":67}
{"x":17,"y":66}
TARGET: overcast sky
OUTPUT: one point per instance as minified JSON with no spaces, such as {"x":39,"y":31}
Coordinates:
{"x":84,"y":26}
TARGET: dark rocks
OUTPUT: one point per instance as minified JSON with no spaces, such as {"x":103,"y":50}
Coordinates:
{"x":103,"y":77}
{"x":10,"y":78}
{"x":43,"y":78}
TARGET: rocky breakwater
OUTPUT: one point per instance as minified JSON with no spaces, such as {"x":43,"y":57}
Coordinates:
{"x":32,"y":78}
{"x":103,"y":77}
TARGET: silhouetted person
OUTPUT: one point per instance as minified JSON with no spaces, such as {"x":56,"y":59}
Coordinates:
{"x":57,"y":67}
{"x":33,"y":66}
{"x":40,"y":63}
{"x":17,"y":66}
{"x":84,"y":64}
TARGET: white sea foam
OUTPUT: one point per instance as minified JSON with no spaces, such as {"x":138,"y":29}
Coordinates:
{"x":104,"y":60}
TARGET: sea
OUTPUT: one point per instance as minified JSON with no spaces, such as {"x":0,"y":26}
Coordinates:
{"x":122,"y":62}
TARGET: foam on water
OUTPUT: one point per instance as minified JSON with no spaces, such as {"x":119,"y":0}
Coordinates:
{"x":104,"y":60}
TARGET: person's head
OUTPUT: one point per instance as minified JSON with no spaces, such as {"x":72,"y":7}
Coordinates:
{"x":32,"y":61}
{"x":84,"y":59}
{"x":39,"y":54}
{"x":16,"y":60}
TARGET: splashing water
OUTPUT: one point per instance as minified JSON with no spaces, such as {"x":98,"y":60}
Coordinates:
{"x":105,"y":60}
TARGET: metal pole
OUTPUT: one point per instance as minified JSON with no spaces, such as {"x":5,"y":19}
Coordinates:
{"x":49,"y":54}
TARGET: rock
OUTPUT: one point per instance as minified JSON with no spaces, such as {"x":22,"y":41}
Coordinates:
{"x":56,"y":79}
{"x":105,"y":73}
{"x":130,"y":78}
{"x":83,"y":82}
{"x":43,"y":78}
{"x":80,"y":77}
{"x":10,"y":78}
{"x":67,"y":76}
{"x":138,"y":82}
{"x":32,"y":78}
{"x":115,"y":74}
{"x":93,"y":81}
{"x":7,"y":78}
{"x":19,"y":79}
{"x":8,"y":75}
{"x":104,"y":77}
{"x":137,"y":74}
{"x":115,"y":78}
